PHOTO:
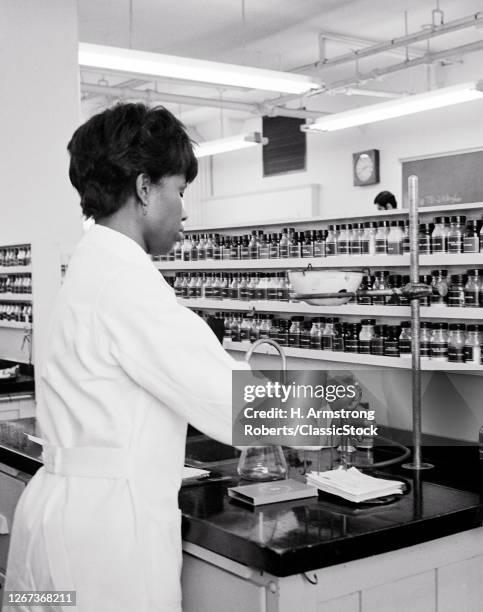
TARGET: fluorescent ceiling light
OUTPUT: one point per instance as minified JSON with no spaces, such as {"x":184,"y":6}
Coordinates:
{"x":188,"y":69}
{"x":406,"y":105}
{"x":232,"y":143}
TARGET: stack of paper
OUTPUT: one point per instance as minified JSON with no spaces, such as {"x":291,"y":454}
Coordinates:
{"x":353,"y":485}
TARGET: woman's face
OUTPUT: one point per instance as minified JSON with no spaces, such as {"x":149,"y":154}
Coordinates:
{"x":165,"y":214}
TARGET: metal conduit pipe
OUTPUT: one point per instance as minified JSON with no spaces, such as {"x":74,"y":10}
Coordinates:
{"x":394,"y":43}
{"x":151,"y":95}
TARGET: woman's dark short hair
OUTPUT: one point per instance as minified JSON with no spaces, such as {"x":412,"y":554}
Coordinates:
{"x":386,"y":199}
{"x":112,"y":148}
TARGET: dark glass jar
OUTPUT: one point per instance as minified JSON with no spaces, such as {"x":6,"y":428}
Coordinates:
{"x":368,"y":242}
{"x":283,"y":335}
{"x":319,"y":244}
{"x":439,"y":280}
{"x":339,"y":340}
{"x":405,"y":338}
{"x":456,"y":291}
{"x":425,"y":231}
{"x":377,"y":343}
{"x":366,"y":335}
{"x":316,"y":333}
{"x":331,"y":241}
{"x":244,"y":248}
{"x":352,"y":338}
{"x":472,"y":348}
{"x":366,"y":284}
{"x":439,"y":236}
{"x":471,"y":240}
{"x":425,"y":333}
{"x":307,"y":246}
{"x":305,"y":335}
{"x":391,"y":345}
{"x":439,"y":341}
{"x":274,"y":251}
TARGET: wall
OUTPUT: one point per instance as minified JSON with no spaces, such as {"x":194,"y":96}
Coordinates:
{"x":39,"y":98}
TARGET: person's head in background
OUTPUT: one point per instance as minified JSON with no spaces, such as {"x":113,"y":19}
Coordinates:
{"x":385,"y":200}
{"x":131,"y":165}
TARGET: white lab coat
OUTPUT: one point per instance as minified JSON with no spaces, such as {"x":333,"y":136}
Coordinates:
{"x":126,"y":367}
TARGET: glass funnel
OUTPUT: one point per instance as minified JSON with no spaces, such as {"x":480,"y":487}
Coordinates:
{"x":262,"y":463}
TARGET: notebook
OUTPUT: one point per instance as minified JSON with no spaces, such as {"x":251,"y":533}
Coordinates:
{"x":272,"y":492}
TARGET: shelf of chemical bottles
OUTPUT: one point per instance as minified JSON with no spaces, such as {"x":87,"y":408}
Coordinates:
{"x":404,"y":363}
{"x":15,"y":297}
{"x":16,"y":325}
{"x":339,"y":261}
{"x":427,"y":312}
{"x":15,"y":269}
{"x":350,"y":217}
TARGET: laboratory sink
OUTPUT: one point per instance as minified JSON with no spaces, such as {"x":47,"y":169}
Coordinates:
{"x":201,"y":450}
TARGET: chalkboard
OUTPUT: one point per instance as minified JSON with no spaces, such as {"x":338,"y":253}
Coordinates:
{"x":448,"y":179}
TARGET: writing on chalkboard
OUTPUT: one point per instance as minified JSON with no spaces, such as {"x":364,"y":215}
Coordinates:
{"x":449,"y":179}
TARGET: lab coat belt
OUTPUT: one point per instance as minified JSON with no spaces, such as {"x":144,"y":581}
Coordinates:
{"x":88,"y":461}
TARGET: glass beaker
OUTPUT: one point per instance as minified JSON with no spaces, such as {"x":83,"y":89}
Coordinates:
{"x":262,"y":463}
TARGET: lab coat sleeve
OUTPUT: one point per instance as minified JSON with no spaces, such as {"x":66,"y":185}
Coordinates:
{"x":168,"y":350}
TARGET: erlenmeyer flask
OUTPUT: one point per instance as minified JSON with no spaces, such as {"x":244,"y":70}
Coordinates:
{"x":261,"y":463}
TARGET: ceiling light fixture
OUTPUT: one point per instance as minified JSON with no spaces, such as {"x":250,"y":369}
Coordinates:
{"x":232,"y":143}
{"x":189,"y":69}
{"x":407,"y":105}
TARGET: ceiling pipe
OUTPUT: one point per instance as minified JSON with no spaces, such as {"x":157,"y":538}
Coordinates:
{"x":150,"y":95}
{"x":360,"y":79}
{"x":394,"y":43}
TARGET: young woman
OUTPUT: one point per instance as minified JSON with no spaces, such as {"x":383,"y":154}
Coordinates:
{"x":125,"y":369}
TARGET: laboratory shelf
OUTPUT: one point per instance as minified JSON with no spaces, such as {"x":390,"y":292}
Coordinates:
{"x":15,"y":297}
{"x":403,"y":363}
{"x":427,"y":312}
{"x":424,"y":210}
{"x":439,"y":260}
{"x":15,"y":269}
{"x":16,"y":325}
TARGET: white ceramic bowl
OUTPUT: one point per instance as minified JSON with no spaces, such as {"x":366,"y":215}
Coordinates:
{"x":325,"y":281}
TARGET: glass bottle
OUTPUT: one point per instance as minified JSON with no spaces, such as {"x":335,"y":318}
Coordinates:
{"x":193,"y":287}
{"x":472,"y":347}
{"x":264,"y":247}
{"x":177,"y":250}
{"x":243,"y":288}
{"x":378,"y":340}
{"x":264,"y":327}
{"x":295,"y":245}
{"x":200,"y":286}
{"x":426,"y":280}
{"x":343,"y":243}
{"x":380,"y":282}
{"x":328,"y":334}
{"x":235,"y":329}
{"x":456,"y":233}
{"x":356,"y":240}
{"x":283,"y":287}
{"x":295,"y":331}
{"x":319,"y":244}
{"x":405,"y":336}
{"x":272,"y":287}
{"x":235,"y":248}
{"x":406,"y":243}
{"x":208,"y":287}
{"x":439,"y":341}
{"x":338,"y":343}
{"x":283,"y":332}
{"x":425,"y":339}
{"x":366,"y":335}
{"x":233,"y":292}
{"x":305,"y":335}
{"x":283,"y":245}
{"x":252,"y":286}
{"x":425,"y":233}
{"x":253,"y":245}
{"x":473,"y":288}
{"x":368,"y":242}
{"x":456,"y":342}
{"x":209,"y":247}
{"x":352,"y":338}
{"x":244,"y":248}
{"x":216,"y":290}
{"x":395,"y":238}
{"x":261,"y":292}
{"x":274,"y":330}
{"x":316,"y":333}
{"x":201,"y":248}
{"x":471,"y":240}
{"x":456,"y":291}
{"x":255,"y":329}
{"x":194,"y":248}
{"x":394,"y":281}
{"x":439,"y":282}
{"x":381,"y":237}
{"x":331,"y":242}
{"x":439,"y":236}
{"x":307,"y":246}
{"x":274,"y":246}
{"x":186,"y":249}
{"x":217,"y":247}
{"x":391,"y":345}
{"x":178,"y":283}
{"x":366,"y":285}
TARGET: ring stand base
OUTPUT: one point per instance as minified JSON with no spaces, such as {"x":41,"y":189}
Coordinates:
{"x":413,"y":466}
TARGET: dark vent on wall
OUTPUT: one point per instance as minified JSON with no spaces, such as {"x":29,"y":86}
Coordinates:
{"x":286,"y":150}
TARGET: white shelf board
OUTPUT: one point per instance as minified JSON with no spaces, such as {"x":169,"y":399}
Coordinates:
{"x":339,"y":261}
{"x":373,"y":214}
{"x":403,"y":363}
{"x":15,"y":269}
{"x":15,"y":297}
{"x":427,"y":312}
{"x":16,"y":325}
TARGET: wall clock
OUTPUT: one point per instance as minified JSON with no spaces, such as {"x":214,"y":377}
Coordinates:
{"x":366,"y":167}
